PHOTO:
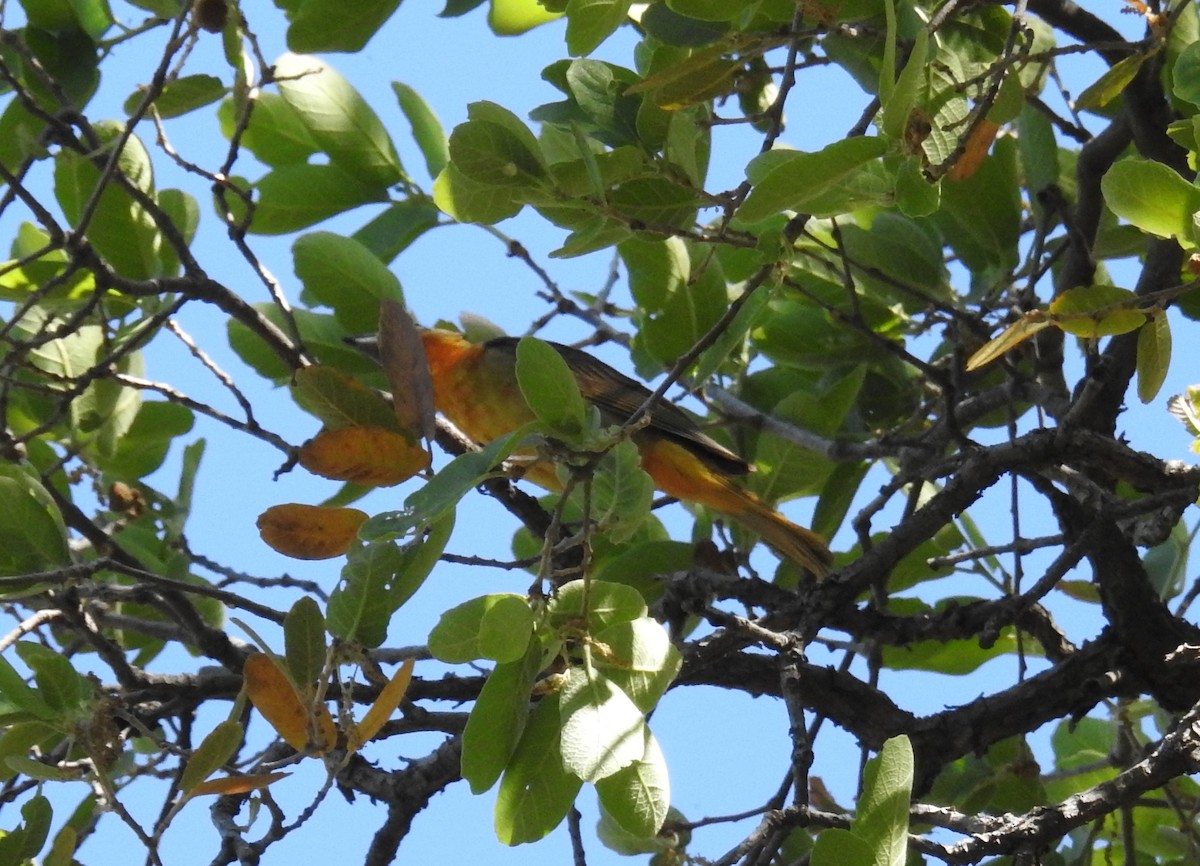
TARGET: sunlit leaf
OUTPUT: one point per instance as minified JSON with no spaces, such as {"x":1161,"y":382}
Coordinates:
{"x":273,"y":695}
{"x":1152,"y":196}
{"x":536,"y":791}
{"x":602,"y":729}
{"x":1096,"y":311}
{"x":1111,"y":84}
{"x":1011,"y":337}
{"x":382,"y":708}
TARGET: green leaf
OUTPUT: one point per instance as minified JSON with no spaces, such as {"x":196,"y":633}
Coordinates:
{"x":277,"y":134}
{"x":321,"y":334}
{"x":1038,"y":150}
{"x":490,"y":154}
{"x":145,"y":444}
{"x":898,"y":105}
{"x":181,"y":95}
{"x":1097,"y":311}
{"x":984,"y":237}
{"x":49,"y":14}
{"x":621,"y":493}
{"x":304,"y":641}
{"x":427,"y":130}
{"x":333,"y":25}
{"x":184,"y":212}
{"x":654,"y":201}
{"x":599,"y":603}
{"x":17,"y":692}
{"x":657,"y":270}
{"x":687,"y":314}
{"x":339,"y":120}
{"x":498,"y":719}
{"x":1111,"y":84}
{"x":882,"y":819}
{"x":590,"y":22}
{"x":638,"y":797}
{"x":391,"y":232}
{"x":94,"y":16}
{"x":837,"y":847}
{"x":791,"y":180}
{"x":58,"y":683}
{"x":602,"y":729}
{"x":710,"y":10}
{"x":514,"y":17}
{"x":916,"y":196}
{"x":640,"y":660}
{"x":442,"y":492}
{"x":379,"y":577}
{"x":537,"y":791}
{"x":340,"y":273}
{"x":550,"y":388}
{"x":120,"y":229}
{"x":214,"y":750}
{"x":35,"y":537}
{"x":468,"y":200}
{"x":340,"y":401}
{"x":294,"y":197}
{"x":37,"y":815}
{"x":20,"y":738}
{"x":640,"y":564}
{"x":667,"y":25}
{"x":1185,"y":78}
{"x":494,"y":626}
{"x":1153,"y":356}
{"x":1151,"y":196}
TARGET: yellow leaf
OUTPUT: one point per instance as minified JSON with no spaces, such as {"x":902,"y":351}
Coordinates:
{"x":381,"y":710}
{"x":237,"y":784}
{"x":365,"y":455}
{"x":273,"y":695}
{"x":309,"y":531}
{"x":1012,"y":336}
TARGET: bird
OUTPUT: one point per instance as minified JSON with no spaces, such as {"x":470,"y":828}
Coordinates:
{"x":475,"y":387}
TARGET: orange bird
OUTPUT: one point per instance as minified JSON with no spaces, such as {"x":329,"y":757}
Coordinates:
{"x":475,"y":387}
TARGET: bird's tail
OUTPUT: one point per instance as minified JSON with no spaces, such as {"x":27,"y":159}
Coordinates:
{"x":802,"y":546}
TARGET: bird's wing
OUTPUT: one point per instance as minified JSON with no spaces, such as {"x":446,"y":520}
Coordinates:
{"x":618,"y":397}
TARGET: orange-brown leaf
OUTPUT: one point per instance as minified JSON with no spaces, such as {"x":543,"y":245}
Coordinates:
{"x":974,"y":150}
{"x":309,"y":531}
{"x":365,"y":455}
{"x":402,"y":357}
{"x":273,"y":695}
{"x":381,"y":710}
{"x":237,"y":784}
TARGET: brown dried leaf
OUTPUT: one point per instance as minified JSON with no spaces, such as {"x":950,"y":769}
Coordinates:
{"x":309,"y":531}
{"x":402,"y":356}
{"x":365,"y":455}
